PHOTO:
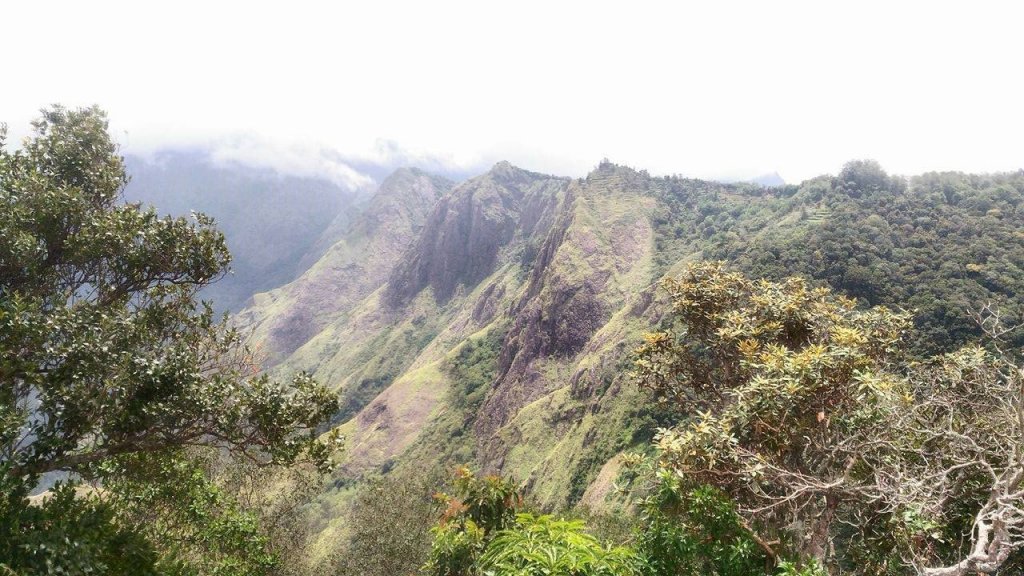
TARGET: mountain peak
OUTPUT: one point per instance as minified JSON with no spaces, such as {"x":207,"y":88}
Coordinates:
{"x":412,"y":182}
{"x":510,"y":174}
{"x":770,"y":179}
{"x":405,"y":171}
{"x":469,"y":226}
{"x":505,"y":169}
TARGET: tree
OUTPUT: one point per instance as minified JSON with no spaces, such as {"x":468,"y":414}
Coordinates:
{"x":390,"y":528}
{"x":485,"y":532}
{"x":691,"y":531}
{"x":104,"y":351}
{"x":863,"y":176}
{"x":208,"y":514}
{"x":542,"y":545}
{"x":67,"y":533}
{"x":192,"y":522}
{"x":480,"y":509}
{"x":836,"y":449}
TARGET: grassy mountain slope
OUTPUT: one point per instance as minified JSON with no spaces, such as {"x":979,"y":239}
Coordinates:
{"x":353,"y":267}
{"x":502,"y":336}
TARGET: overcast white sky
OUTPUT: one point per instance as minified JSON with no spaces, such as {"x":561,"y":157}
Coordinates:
{"x":709,"y":89}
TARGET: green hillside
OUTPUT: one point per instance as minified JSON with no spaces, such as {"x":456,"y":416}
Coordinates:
{"x":502,"y":337}
{"x":719,"y":378}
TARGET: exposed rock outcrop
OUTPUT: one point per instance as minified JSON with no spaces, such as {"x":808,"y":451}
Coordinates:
{"x":352,"y":268}
{"x":599,"y":247}
{"x":467,"y":229}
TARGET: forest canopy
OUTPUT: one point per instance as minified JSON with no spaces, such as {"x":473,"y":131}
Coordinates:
{"x":836,"y":448}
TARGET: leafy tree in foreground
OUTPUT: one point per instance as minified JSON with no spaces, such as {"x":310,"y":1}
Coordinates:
{"x":692,"y":531}
{"x":543,"y":545}
{"x":67,"y":533}
{"x":481,"y":508}
{"x":390,"y":528}
{"x":484,"y":532}
{"x":837,"y":451}
{"x":104,"y":351}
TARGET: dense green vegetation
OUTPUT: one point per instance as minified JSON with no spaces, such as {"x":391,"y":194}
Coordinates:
{"x":112,"y":374}
{"x":488,"y":528}
{"x":472,"y":370}
{"x":859,"y":417}
{"x":837,"y":450}
{"x":940,"y":244}
{"x":485,"y":530}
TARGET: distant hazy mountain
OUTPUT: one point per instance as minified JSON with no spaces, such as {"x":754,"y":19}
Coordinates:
{"x":274,"y":224}
{"x":772,"y":179}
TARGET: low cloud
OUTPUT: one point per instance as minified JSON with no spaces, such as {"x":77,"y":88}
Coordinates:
{"x":293,"y":160}
{"x":358,"y":171}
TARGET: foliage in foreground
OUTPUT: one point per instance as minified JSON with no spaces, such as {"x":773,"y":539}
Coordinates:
{"x":678,"y":531}
{"x":67,"y":533}
{"x":835,"y":449}
{"x":391,"y":520}
{"x":485,"y":532}
{"x":206,"y":516}
{"x":480,"y":509}
{"x":105,"y":356}
{"x":541,"y":545}
{"x":694,"y":531}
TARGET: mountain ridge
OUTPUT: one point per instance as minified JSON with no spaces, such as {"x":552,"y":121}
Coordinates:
{"x":467,"y":229}
{"x":517,"y":362}
{"x":355,"y":265}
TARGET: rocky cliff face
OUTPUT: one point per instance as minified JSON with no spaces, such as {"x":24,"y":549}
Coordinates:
{"x":499,"y":336}
{"x":353,"y":267}
{"x":467,"y":229}
{"x":598,"y":253}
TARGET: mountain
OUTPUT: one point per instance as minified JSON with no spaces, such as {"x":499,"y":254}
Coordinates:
{"x":276,"y":226}
{"x":495,"y":327}
{"x":772,"y":179}
{"x":365,"y":252}
{"x":499,"y":335}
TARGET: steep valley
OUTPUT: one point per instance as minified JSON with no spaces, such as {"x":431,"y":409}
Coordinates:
{"x":276,"y":225}
{"x":492,"y":323}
